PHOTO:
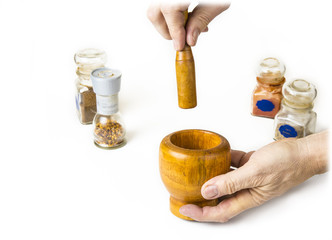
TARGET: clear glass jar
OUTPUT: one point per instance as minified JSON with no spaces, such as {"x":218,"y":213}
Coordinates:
{"x":109,"y":130}
{"x":87,"y":60}
{"x":267,"y":96}
{"x":296,"y":118}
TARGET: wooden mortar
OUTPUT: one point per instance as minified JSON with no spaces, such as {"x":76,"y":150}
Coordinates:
{"x":189,"y":158}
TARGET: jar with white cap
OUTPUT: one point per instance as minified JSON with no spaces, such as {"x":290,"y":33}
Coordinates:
{"x":296,"y":118}
{"x":109,"y":130}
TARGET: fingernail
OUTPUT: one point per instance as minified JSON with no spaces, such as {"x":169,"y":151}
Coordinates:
{"x":176,"y":45}
{"x":183,"y":211}
{"x":210,"y":191}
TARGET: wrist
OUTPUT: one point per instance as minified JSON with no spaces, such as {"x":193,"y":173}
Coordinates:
{"x":313,"y":149}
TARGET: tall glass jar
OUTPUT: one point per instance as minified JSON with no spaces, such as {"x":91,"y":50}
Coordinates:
{"x":296,"y":118}
{"x":109,"y":130}
{"x":87,"y":60}
{"x":267,"y":95}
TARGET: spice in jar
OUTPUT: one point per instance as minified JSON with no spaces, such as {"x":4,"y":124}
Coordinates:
{"x":109,"y":130}
{"x":86,"y":105}
{"x":267,"y":96}
{"x":296,"y":118}
{"x":109,"y":133}
{"x":87,"y":60}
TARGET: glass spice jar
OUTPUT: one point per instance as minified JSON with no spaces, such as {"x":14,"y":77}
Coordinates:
{"x":296,"y":118}
{"x":267,"y":95}
{"x":109,"y":130}
{"x":87,"y":60}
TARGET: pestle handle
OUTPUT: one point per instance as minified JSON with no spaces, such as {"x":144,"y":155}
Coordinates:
{"x":185,"y":14}
{"x":185,"y":75}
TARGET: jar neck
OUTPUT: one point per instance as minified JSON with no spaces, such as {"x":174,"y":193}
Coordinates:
{"x":107,"y":105}
{"x":296,"y":107}
{"x":271,"y":82}
{"x":272,"y":88}
{"x":83,"y":72}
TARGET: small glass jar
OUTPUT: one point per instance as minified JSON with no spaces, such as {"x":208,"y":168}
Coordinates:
{"x":109,"y":130}
{"x":267,"y":95}
{"x":87,"y":60}
{"x":296,"y":118}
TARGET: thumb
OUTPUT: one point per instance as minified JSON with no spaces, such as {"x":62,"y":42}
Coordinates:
{"x":242,"y":178}
{"x":199,"y":19}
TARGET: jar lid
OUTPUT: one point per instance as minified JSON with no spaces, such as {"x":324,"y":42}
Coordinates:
{"x":106,"y":81}
{"x":272,"y":70}
{"x":299,"y":92}
{"x":90,"y":56}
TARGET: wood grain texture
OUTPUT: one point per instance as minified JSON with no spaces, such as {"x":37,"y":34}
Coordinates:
{"x":185,"y":75}
{"x":187,"y":159}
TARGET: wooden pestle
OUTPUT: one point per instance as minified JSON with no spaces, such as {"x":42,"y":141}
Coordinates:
{"x":185,"y":75}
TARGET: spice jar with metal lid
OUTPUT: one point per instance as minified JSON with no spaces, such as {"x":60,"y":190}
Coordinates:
{"x":267,"y":95}
{"x":296,"y":118}
{"x":87,"y":60}
{"x":109,"y":130}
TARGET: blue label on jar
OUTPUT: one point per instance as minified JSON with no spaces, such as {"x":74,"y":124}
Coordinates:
{"x":265,"y":105}
{"x":287,"y":131}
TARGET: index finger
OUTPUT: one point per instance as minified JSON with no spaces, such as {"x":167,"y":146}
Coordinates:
{"x":174,"y":17}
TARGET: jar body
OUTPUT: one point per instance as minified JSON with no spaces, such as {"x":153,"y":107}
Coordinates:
{"x":85,"y":101}
{"x":109,"y":130}
{"x":294,"y":123}
{"x":87,"y":60}
{"x":266,"y":99}
{"x":296,"y":118}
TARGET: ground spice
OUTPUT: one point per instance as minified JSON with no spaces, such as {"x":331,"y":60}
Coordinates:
{"x":267,"y":98}
{"x":286,"y":130}
{"x":296,"y":119}
{"x":87,"y":105}
{"x":109,"y":133}
{"x":267,"y":95}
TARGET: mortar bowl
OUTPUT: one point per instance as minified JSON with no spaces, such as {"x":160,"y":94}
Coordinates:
{"x":189,"y":158}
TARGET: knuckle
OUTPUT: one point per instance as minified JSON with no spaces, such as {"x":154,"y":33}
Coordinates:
{"x":176,"y":32}
{"x":168,"y":8}
{"x":257,"y":201}
{"x":257,"y":198}
{"x":205,"y":214}
{"x":152,"y":13}
{"x":171,"y":8}
{"x":222,"y":212}
{"x":229,"y":186}
{"x":204,"y":18}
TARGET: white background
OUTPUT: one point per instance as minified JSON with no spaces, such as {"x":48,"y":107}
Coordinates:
{"x":54,"y":182}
